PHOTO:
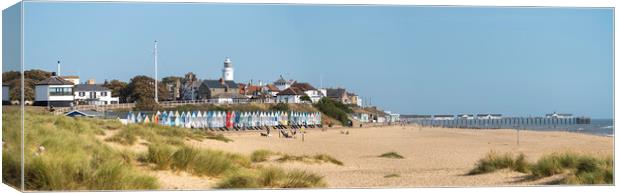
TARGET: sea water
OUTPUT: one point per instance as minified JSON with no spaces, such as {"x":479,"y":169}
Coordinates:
{"x":602,"y":127}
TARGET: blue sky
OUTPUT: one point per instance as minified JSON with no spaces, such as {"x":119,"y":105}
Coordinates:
{"x":408,"y":59}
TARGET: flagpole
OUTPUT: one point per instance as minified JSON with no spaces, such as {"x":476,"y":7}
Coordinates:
{"x":155,"y":57}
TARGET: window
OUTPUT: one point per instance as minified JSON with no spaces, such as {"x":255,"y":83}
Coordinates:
{"x":104,"y":93}
{"x":82,"y":94}
{"x":60,"y":91}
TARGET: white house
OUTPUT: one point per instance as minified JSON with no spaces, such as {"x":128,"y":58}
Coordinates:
{"x":489,"y":116}
{"x":314,"y":94}
{"x":54,"y":91}
{"x":94,"y":94}
{"x":6,"y":99}
{"x":392,"y":117}
{"x":290,"y":95}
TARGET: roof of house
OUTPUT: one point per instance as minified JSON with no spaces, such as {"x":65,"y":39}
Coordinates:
{"x":443,"y":115}
{"x":271,"y":87}
{"x":291,"y":91}
{"x":77,"y":113}
{"x":54,"y":80}
{"x":218,"y":84}
{"x":73,"y":77}
{"x":335,"y":92}
{"x":303,"y":86}
{"x":90,"y":87}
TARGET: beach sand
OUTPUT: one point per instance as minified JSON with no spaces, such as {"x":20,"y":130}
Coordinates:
{"x":434,"y":157}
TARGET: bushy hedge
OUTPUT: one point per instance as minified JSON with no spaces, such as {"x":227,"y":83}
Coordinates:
{"x":334,"y":109}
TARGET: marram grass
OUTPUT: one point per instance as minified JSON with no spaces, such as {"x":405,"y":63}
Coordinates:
{"x":75,"y":159}
{"x":579,"y":168}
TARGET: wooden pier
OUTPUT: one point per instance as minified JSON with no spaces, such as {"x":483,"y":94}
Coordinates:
{"x":504,"y":122}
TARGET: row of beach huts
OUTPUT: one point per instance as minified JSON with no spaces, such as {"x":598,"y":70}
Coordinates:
{"x":225,"y":119}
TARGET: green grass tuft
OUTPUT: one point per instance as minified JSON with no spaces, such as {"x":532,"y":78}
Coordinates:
{"x":260,"y":155}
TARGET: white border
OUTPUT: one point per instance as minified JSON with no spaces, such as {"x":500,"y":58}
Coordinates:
{"x":555,"y":3}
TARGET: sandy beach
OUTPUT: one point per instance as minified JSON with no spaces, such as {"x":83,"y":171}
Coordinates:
{"x":434,"y":157}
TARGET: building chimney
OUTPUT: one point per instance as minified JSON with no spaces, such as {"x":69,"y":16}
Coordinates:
{"x":90,"y":81}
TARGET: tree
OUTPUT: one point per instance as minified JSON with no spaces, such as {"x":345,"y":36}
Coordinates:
{"x":119,"y":89}
{"x":141,"y":89}
{"x":37,"y":75}
{"x":305,"y":98}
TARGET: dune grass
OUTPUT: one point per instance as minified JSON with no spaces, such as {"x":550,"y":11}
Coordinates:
{"x":261,"y":155}
{"x":272,"y":177}
{"x":318,"y":158}
{"x":196,"y":161}
{"x":392,"y":176}
{"x":73,"y":158}
{"x":579,"y":168}
{"x":494,"y":161}
{"x":392,"y":155}
{"x":154,"y":133}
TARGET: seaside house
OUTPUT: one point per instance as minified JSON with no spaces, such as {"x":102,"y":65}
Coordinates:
{"x":362,"y":117}
{"x":410,"y":118}
{"x":94,"y":94}
{"x":54,"y":91}
{"x":465,"y":116}
{"x":355,"y":99}
{"x":6,"y":98}
{"x":271,"y":90}
{"x":392,"y":117}
{"x":282,"y":83}
{"x":211,"y":88}
{"x":314,"y":94}
{"x":174,"y":89}
{"x":189,"y":90}
{"x":290,"y":95}
{"x":559,"y":115}
{"x":489,"y":116}
{"x":338,"y":94}
{"x":443,"y":117}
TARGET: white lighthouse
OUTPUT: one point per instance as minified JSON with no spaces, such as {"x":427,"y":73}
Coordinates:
{"x":227,"y":73}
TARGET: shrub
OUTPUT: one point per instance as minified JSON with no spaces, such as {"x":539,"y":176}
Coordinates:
{"x":280,"y":107}
{"x":392,"y":154}
{"x":493,"y":162}
{"x":334,"y":109}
